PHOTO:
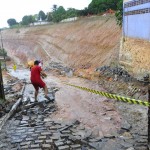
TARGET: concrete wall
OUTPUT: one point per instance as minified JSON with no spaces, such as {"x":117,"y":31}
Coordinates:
{"x":134,"y":53}
{"x":136,"y":22}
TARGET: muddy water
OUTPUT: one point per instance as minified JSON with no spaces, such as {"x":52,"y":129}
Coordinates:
{"x":93,"y":111}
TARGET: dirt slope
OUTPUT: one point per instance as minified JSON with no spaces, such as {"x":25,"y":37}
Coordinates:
{"x":92,"y":41}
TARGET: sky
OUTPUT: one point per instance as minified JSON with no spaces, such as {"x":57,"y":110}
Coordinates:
{"x":17,"y":9}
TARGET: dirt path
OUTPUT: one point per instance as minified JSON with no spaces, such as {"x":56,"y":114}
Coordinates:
{"x":94,"y":112}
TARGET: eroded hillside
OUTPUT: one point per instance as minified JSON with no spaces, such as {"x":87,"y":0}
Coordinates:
{"x":92,"y":41}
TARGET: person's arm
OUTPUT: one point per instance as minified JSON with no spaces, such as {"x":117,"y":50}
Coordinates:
{"x":43,"y":74}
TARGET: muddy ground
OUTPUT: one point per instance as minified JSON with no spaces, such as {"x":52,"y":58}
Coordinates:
{"x":105,"y":118}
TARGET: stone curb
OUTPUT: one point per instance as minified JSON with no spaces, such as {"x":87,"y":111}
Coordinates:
{"x":12,"y":111}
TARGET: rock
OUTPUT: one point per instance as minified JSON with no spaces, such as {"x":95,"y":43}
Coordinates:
{"x":131,"y":148}
{"x":125,"y":125}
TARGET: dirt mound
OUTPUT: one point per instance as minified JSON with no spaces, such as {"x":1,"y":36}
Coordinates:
{"x":92,"y":41}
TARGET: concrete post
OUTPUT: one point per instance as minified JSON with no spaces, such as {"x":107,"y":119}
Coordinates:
{"x":2,"y":95}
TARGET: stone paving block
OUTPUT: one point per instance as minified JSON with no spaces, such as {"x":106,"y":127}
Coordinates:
{"x":40,"y":123}
{"x":22,"y":128}
{"x":65,"y":147}
{"x":48,"y":120}
{"x":37,"y":132}
{"x":64,"y":135}
{"x":52,"y":131}
{"x":24,"y":125}
{"x":42,"y":137}
{"x":57,"y":134}
{"x":23,"y":136}
{"x":53,"y":128}
{"x":3,"y":145}
{"x":10,"y":131}
{"x":75,"y":146}
{"x":35,"y":146}
{"x":34,"y":135}
{"x":46,"y":145}
{"x":38,"y":141}
{"x":49,"y":141}
{"x":23,"y":122}
{"x":29,"y":139}
{"x":25,"y":143}
{"x":16,"y":141}
{"x":16,"y":134}
{"x":55,"y":138}
{"x":41,"y":129}
{"x":46,"y":133}
{"x":66,"y":132}
{"x":18,"y":131}
{"x":47,"y":124}
{"x":57,"y":143}
{"x":68,"y":142}
{"x":25,"y":118}
{"x":25,"y":147}
{"x":30,"y":130}
{"x":61,"y":140}
{"x":29,"y":133}
{"x":36,"y":149}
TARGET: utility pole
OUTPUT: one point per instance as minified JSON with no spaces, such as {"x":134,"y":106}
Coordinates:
{"x":3,"y":51}
{"x":2,"y":94}
{"x":149,"y":117}
{"x":147,"y":83}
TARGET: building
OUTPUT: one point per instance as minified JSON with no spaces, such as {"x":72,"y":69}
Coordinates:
{"x":135,"y":47}
{"x":136,"y":22}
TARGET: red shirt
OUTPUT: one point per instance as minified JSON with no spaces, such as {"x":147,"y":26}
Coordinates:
{"x":35,"y":73}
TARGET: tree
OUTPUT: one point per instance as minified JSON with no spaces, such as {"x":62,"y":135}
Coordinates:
{"x":98,"y":6}
{"x":54,"y":7}
{"x":84,"y":12}
{"x":49,"y":17}
{"x":26,"y":20}
{"x":31,"y":19}
{"x":71,"y":12}
{"x":35,"y":17}
{"x":59,"y":14}
{"x":119,"y":13}
{"x":42,"y":15}
{"x":11,"y":22}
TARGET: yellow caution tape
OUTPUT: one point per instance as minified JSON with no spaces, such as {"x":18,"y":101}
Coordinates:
{"x":113,"y":96}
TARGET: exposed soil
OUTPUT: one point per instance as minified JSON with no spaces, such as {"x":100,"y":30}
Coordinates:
{"x":83,"y":46}
{"x":87,"y":42}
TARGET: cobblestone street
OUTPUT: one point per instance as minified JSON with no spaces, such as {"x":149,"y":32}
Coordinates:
{"x":33,"y":128}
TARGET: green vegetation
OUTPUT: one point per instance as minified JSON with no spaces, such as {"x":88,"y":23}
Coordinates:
{"x":3,"y":52}
{"x":59,"y":13}
{"x":42,"y":15}
{"x":11,"y":22}
{"x":26,"y":20}
{"x":119,"y":13}
{"x":98,"y":6}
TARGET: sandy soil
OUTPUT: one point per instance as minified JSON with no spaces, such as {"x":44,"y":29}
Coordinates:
{"x":93,"y":111}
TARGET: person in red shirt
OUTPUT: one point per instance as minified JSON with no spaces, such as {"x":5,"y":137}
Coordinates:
{"x":37,"y":82}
